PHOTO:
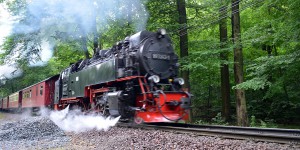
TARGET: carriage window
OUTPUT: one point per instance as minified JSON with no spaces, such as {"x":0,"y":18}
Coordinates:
{"x":25,"y":94}
{"x":36,"y":91}
{"x":30,"y":93}
{"x":41,"y":90}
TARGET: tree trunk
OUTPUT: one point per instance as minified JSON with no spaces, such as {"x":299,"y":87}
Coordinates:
{"x":242,"y":118}
{"x":84,"y":47}
{"x":96,"y":37}
{"x":183,"y":39}
{"x":95,"y":43}
{"x":225,"y":86}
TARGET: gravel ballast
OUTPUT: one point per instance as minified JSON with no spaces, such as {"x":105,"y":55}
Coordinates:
{"x":129,"y":138}
{"x":42,"y":133}
{"x":32,"y":132}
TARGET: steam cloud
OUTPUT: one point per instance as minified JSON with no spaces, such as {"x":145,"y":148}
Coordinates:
{"x":6,"y":23}
{"x":74,"y":19}
{"x":64,"y":14}
{"x":75,"y":121}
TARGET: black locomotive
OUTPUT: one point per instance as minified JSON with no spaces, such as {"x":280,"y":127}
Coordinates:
{"x":136,"y":78}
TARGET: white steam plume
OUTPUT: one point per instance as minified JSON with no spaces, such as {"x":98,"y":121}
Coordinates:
{"x":84,"y":15}
{"x":45,"y":54}
{"x":50,"y":20}
{"x":7,"y":72}
{"x":75,"y":121}
{"x":74,"y":19}
{"x":6,"y":25}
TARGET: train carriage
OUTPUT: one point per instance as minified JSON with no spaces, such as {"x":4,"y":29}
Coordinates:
{"x":40,"y":94}
{"x":5,"y":103}
{"x":15,"y":100}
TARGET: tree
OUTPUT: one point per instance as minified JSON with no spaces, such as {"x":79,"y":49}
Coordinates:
{"x":242,"y":118}
{"x":183,"y":38}
{"x":225,"y":86}
{"x":272,"y":80}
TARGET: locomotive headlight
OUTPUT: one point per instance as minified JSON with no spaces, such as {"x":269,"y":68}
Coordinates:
{"x":179,"y":81}
{"x":161,"y":33}
{"x":154,"y":78}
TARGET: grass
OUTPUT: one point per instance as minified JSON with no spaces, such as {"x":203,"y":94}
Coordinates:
{"x":2,"y":115}
{"x":290,"y":126}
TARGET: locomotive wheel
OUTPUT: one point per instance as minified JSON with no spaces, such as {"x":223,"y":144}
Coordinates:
{"x":74,"y":107}
{"x":103,"y":110}
{"x":138,"y":120}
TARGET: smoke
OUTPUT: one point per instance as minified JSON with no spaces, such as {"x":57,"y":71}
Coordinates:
{"x":60,"y":20}
{"x":47,"y":22}
{"x":76,"y":121}
{"x":6,"y":71}
{"x":26,"y":113}
{"x":44,"y":55}
{"x":82,"y":16}
{"x":6,"y":25}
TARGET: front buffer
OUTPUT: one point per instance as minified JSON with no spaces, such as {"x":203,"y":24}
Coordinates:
{"x":162,"y":106}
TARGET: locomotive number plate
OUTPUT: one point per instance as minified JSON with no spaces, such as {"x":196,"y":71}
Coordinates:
{"x":161,"y":56}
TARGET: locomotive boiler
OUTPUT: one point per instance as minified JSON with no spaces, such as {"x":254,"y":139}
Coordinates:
{"x":136,"y":79}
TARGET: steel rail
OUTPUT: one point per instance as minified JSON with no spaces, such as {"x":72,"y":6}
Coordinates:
{"x":287,"y":136}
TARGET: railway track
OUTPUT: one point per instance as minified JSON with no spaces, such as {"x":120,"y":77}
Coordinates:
{"x":289,"y":136}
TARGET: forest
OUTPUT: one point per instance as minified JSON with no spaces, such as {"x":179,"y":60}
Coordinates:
{"x":240,"y":58}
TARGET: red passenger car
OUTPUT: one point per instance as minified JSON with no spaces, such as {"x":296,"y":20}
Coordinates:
{"x":40,"y":94}
{"x":15,"y":100}
{"x":5,"y":103}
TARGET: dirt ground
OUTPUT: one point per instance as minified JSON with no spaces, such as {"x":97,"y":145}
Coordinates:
{"x":4,"y":116}
{"x":8,"y":117}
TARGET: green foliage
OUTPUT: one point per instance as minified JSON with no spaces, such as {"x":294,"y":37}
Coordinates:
{"x":117,"y":31}
{"x":271,"y":80}
{"x":219,"y":120}
{"x":262,"y":124}
{"x":200,"y":122}
{"x":252,"y":121}
{"x":272,"y":84}
{"x":64,"y":55}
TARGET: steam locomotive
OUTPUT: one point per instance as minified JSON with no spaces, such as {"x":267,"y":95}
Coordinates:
{"x":136,"y":79}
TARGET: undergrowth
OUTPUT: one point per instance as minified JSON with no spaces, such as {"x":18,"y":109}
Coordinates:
{"x":218,"y":120}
